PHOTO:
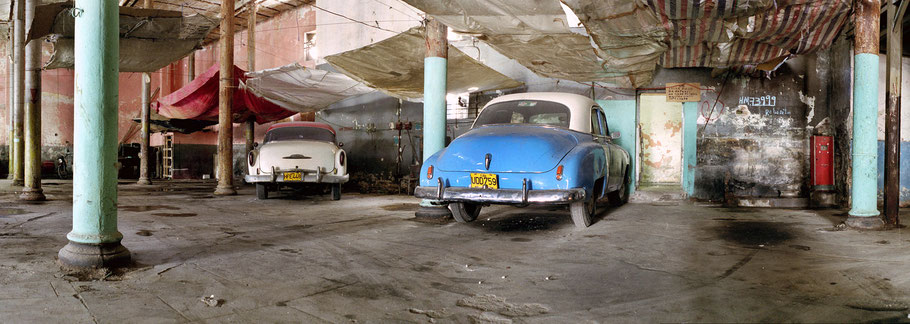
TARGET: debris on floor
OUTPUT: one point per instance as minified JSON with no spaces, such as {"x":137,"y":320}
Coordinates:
{"x":431,"y":313}
{"x":877,"y":305}
{"x":490,"y":318}
{"x":493,"y":303}
{"x":211,"y":301}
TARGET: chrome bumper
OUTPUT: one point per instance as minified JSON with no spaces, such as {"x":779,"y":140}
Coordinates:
{"x":308,"y":176}
{"x":501,"y":196}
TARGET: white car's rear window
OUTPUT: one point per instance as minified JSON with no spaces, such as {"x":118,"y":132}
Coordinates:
{"x":300,"y":133}
{"x":536,"y":112}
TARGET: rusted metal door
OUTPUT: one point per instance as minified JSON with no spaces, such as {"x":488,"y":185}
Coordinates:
{"x":661,"y":139}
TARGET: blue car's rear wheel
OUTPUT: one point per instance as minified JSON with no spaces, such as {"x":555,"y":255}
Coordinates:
{"x":583,"y":212}
{"x":465,"y":212}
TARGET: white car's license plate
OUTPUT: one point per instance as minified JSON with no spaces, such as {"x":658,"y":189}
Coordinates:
{"x":292,"y":176}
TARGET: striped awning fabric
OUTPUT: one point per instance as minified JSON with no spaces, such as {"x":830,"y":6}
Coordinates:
{"x":710,"y":33}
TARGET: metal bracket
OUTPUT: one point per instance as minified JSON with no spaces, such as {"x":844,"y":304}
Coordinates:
{"x":440,"y":188}
{"x":524,"y":191}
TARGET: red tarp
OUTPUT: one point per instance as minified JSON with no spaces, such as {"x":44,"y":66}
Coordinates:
{"x":199,"y":100}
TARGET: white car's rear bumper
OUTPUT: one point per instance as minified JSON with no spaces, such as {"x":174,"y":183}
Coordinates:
{"x":307,"y":176}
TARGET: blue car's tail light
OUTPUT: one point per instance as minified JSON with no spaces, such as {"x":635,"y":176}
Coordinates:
{"x":559,"y":173}
{"x":430,"y":172}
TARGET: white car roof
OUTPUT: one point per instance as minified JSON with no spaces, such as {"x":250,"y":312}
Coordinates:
{"x":579,"y":106}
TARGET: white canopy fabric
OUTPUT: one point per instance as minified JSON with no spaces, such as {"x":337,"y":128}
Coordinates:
{"x":534,"y":33}
{"x":150,"y":39}
{"x":395,"y":66}
{"x":297,"y":88}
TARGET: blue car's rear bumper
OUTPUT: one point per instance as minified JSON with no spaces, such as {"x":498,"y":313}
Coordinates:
{"x":501,"y":196}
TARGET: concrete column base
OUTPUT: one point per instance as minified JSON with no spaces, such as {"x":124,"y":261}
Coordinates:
{"x":32,"y":194}
{"x":865,"y":223}
{"x":433,"y":212}
{"x":144,"y":182}
{"x":87,"y":256}
{"x":18,"y":183}
{"x":225,"y":191}
{"x":822,"y":199}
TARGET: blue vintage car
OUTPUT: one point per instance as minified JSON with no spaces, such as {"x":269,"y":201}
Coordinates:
{"x":530,"y":149}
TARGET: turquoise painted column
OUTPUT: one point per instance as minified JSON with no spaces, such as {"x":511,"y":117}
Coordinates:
{"x":864,"y":188}
{"x":434,"y":103}
{"x":94,"y":240}
{"x":690,"y":135}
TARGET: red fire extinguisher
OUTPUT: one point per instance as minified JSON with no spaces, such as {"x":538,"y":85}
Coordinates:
{"x":822,"y":166}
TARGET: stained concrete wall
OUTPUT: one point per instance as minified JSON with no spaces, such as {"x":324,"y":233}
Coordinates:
{"x":755,"y":143}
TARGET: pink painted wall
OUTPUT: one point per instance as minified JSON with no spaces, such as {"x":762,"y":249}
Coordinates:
{"x":279,"y":41}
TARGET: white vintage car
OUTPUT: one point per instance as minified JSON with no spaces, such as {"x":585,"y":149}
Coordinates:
{"x":298,"y":154}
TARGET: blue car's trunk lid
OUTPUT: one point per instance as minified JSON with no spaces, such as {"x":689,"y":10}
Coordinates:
{"x":511,"y":148}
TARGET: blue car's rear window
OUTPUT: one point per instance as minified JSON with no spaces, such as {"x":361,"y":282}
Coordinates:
{"x":536,"y":112}
{"x":299,"y":133}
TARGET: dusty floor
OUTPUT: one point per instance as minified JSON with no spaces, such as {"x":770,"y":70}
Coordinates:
{"x":363,"y":259}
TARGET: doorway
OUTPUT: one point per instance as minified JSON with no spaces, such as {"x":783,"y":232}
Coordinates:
{"x":661,"y":127}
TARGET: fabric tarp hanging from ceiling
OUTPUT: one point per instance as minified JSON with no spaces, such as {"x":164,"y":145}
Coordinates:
{"x":198,"y":100}
{"x":704,"y":33}
{"x":632,"y":37}
{"x":302,"y":89}
{"x":395,"y":66}
{"x":534,"y":33}
{"x":149,"y":39}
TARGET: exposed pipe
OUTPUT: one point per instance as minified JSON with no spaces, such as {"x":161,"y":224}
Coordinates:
{"x":249,"y":129}
{"x":225,"y":98}
{"x":18,"y":145}
{"x":145,"y":112}
{"x":12,"y":103}
{"x":191,"y":67}
{"x":893,"y":115}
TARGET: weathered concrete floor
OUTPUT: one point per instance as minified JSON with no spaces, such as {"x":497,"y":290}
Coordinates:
{"x":363,"y":259}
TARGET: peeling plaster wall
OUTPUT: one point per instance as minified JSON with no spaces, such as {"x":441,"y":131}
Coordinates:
{"x":755,"y":144}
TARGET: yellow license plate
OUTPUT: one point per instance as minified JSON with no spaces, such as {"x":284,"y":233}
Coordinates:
{"x":484,"y":180}
{"x":292,"y":176}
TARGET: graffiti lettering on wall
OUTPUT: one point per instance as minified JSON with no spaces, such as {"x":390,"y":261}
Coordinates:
{"x":777,"y":112}
{"x":762,"y":101}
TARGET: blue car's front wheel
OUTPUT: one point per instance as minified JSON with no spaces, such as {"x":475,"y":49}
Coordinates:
{"x":464,"y":212}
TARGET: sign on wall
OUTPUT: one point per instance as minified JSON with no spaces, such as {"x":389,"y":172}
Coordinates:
{"x":683,"y":92}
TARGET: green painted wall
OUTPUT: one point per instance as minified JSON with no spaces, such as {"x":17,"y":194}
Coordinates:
{"x":622,"y":118}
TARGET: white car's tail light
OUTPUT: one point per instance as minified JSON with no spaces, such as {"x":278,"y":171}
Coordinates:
{"x":341,"y":158}
{"x":252,"y":158}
